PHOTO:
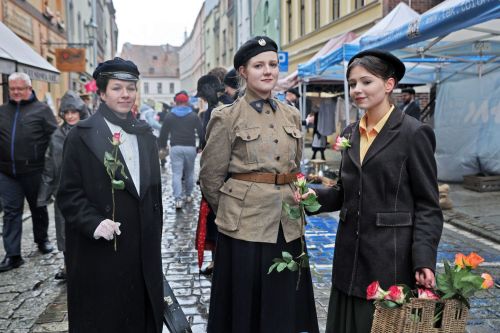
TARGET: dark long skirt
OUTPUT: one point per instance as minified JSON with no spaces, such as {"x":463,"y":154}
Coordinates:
{"x":245,"y":298}
{"x":349,"y":314}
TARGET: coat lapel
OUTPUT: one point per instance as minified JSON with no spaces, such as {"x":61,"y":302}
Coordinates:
{"x":96,"y":135}
{"x":353,"y":151}
{"x":143,"y":142}
{"x":386,"y":135}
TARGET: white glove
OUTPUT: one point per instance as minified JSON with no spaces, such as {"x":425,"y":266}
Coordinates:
{"x":107,"y":229}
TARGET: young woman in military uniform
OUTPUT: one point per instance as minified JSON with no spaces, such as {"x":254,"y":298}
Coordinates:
{"x":252,"y":155}
{"x":387,"y":194}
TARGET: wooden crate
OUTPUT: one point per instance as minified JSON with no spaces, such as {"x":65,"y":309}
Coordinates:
{"x":482,"y":183}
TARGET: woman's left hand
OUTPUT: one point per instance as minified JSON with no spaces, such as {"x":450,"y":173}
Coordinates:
{"x":425,"y":278}
{"x":297,"y":197}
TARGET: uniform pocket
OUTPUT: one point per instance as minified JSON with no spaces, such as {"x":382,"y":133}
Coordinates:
{"x":251,"y":140}
{"x":294,"y":136}
{"x":395,"y":219}
{"x":231,"y":204}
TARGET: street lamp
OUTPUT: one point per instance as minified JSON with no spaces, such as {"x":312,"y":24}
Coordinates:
{"x":91,"y":29}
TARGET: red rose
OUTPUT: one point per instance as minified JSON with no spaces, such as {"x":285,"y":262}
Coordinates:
{"x":116,"y":139}
{"x":396,"y":294}
{"x":375,"y":292}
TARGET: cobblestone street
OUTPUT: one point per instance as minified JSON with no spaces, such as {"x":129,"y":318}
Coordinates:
{"x":32,"y":301}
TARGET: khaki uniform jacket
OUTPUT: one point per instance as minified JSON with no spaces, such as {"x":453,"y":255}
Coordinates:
{"x":242,"y":140}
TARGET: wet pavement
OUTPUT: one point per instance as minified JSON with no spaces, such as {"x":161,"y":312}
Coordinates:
{"x":32,"y":301}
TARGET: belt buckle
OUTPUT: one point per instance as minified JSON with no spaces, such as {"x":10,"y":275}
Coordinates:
{"x":277,"y":178}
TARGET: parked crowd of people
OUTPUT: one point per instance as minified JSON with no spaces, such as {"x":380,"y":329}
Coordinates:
{"x":104,"y":172}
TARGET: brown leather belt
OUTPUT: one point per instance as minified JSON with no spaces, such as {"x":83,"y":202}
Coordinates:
{"x":266,"y":177}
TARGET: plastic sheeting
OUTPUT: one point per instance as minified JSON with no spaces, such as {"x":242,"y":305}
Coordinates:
{"x":467,"y":127}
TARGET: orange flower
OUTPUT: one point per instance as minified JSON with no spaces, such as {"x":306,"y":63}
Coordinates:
{"x":461,"y":260}
{"x":488,"y":281}
{"x":474,"y":260}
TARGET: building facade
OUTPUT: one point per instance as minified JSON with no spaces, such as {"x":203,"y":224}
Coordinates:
{"x":159,"y":68}
{"x":266,"y":19}
{"x":41,"y":25}
{"x":192,"y":56}
{"x":306,"y":25}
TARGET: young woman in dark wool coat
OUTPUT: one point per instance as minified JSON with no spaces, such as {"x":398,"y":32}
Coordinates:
{"x":113,"y":289}
{"x":387,"y":194}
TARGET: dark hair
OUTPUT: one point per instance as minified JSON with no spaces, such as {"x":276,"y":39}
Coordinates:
{"x":218,"y":72}
{"x":375,"y":66}
{"x":102,"y":83}
{"x":410,"y":91}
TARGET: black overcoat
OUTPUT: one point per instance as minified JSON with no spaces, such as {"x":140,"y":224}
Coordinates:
{"x":390,"y":219}
{"x":108,"y":290}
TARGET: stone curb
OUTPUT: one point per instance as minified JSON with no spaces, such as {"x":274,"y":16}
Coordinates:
{"x":467,"y":223}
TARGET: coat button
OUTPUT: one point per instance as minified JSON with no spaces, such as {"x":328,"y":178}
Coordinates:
{"x":268,"y":112}
{"x":277,"y":158}
{"x":275,"y":140}
{"x":230,"y":190}
{"x":107,"y":208}
{"x":271,"y":126}
{"x":248,"y":137}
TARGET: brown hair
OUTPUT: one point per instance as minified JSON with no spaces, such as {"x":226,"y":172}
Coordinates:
{"x":375,"y":66}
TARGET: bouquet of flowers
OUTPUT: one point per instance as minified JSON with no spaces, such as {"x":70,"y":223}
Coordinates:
{"x":311,"y":204}
{"x":457,"y":284}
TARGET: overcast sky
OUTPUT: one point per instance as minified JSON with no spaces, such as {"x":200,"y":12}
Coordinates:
{"x":155,"y":22}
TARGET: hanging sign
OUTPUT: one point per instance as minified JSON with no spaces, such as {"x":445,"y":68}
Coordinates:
{"x":70,"y":60}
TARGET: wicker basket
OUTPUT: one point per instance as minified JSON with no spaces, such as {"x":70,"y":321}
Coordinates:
{"x":417,"y":316}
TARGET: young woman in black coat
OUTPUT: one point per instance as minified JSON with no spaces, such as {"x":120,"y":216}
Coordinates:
{"x":387,"y":194}
{"x":113,"y":286}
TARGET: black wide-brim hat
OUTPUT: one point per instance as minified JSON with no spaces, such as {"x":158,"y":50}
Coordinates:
{"x":396,"y":64}
{"x":253,"y":47}
{"x":294,"y":91}
{"x":118,"y":69}
{"x":208,"y":83}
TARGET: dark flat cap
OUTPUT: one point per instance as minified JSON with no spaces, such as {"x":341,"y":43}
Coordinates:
{"x":396,"y":64}
{"x":294,"y":91}
{"x":231,"y":79}
{"x":208,"y":84}
{"x":117,"y":68}
{"x":408,"y":90}
{"x":253,"y":47}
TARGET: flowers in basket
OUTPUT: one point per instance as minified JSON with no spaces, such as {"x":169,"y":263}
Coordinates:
{"x":311,"y":204}
{"x":458,"y":283}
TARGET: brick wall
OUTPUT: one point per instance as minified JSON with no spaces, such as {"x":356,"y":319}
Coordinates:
{"x":419,"y":6}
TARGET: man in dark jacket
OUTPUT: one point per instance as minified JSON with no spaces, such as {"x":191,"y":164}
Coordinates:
{"x":181,"y":125}
{"x":410,"y":106}
{"x":25,"y":129}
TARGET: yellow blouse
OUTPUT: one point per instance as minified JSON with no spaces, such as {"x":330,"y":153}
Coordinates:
{"x":367,"y":138}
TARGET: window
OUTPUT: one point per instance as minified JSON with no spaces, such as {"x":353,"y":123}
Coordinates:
{"x":151,"y":70}
{"x":146,"y":87}
{"x":155,"y":57}
{"x":335,"y":9}
{"x":172,"y":88}
{"x":159,"y":88}
{"x":359,"y":4}
{"x":317,"y":16}
{"x":302,"y":18}
{"x":289,"y":11}
{"x":266,"y":13}
{"x":224,"y":45}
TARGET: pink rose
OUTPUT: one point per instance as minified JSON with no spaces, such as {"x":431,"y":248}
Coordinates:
{"x":426,"y":294}
{"x":375,"y":292}
{"x":488,"y":281}
{"x":338,"y":144}
{"x":396,"y":294}
{"x":116,"y":139}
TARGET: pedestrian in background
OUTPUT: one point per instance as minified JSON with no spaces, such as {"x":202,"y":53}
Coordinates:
{"x":231,"y":87}
{"x":410,"y":106}
{"x":71,"y":110}
{"x":113,"y":286}
{"x":250,"y":143}
{"x":181,"y":126}
{"x":26,"y":126}
{"x":292,"y":96}
{"x":387,"y":194}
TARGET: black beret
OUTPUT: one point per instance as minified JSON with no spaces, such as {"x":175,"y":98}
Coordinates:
{"x":294,"y":91}
{"x":253,"y":47}
{"x":117,"y":68}
{"x":396,"y":64}
{"x":231,"y":79}
{"x":206,"y":84}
